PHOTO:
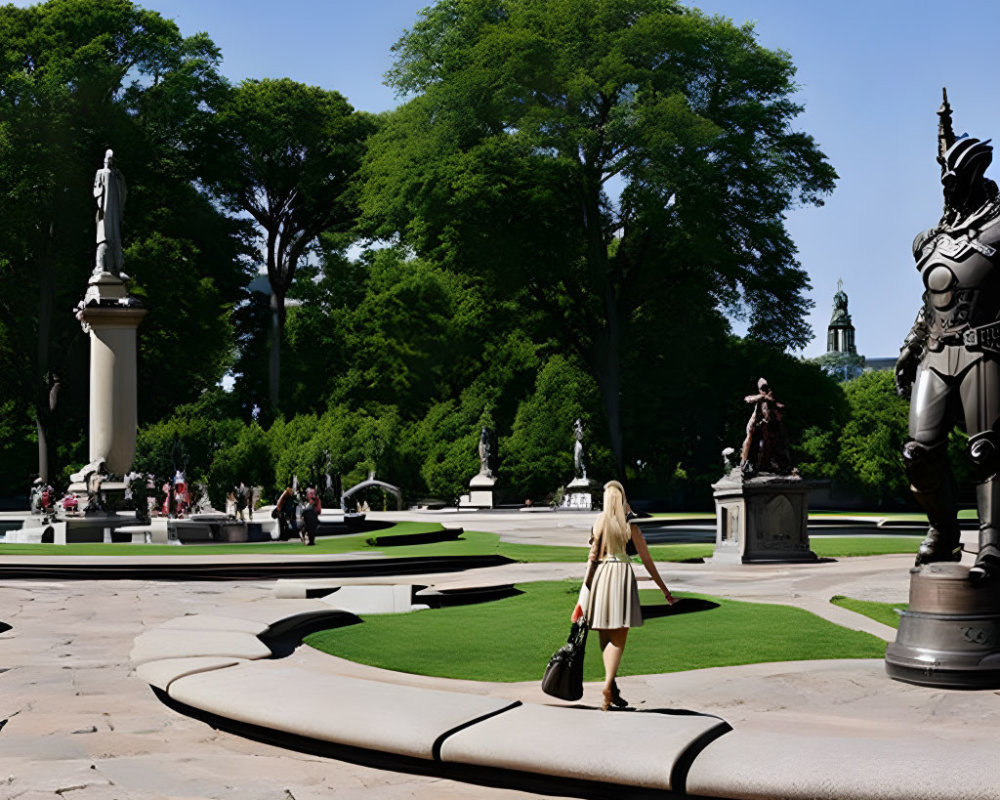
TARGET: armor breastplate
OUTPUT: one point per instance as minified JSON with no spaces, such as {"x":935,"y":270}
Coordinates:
{"x":961,"y":274}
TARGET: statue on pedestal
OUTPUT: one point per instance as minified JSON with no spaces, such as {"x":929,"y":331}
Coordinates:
{"x":765,"y":448}
{"x":486,"y":452}
{"x":950,"y":360}
{"x":109,"y":192}
{"x":579,"y":461}
{"x":762,"y":505}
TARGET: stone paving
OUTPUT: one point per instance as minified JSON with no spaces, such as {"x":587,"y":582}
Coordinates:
{"x":78,"y":723}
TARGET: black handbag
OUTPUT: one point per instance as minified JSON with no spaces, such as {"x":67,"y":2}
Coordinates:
{"x":630,"y":549}
{"x":563,"y":676}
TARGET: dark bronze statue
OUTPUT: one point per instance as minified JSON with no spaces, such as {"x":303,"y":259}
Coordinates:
{"x":951,"y":357}
{"x":766,"y":447}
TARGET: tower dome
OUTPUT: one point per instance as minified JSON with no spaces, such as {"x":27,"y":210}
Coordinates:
{"x":840,"y":332}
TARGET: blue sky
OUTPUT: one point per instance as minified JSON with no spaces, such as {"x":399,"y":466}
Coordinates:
{"x":870,"y":75}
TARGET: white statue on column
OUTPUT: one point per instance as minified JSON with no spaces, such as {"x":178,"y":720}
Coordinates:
{"x":109,"y":192}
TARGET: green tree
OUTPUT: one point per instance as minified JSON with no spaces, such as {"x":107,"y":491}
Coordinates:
{"x":291,"y":155}
{"x":246,"y":460}
{"x":527,"y":114}
{"x":447,"y":440}
{"x":871,"y":442}
{"x":842,"y":366}
{"x":538,"y":454}
{"x":77,"y":77}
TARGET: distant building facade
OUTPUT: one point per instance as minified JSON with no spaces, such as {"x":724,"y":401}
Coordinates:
{"x":841,"y":360}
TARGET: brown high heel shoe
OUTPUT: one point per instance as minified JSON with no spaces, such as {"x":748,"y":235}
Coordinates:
{"x":607,"y":699}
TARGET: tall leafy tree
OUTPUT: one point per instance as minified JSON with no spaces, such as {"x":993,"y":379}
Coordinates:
{"x":623,"y":160}
{"x":77,"y":77}
{"x":292,"y":154}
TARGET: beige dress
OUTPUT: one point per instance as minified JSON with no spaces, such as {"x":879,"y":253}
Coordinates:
{"x":614,"y":595}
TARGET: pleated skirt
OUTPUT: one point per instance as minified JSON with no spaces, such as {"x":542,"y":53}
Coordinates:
{"x":614,"y":596}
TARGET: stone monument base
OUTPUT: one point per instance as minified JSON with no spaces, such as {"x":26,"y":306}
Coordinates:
{"x":212,"y":528}
{"x":763,"y":518}
{"x":950,"y":636}
{"x":480,"y":492}
{"x":579,"y":495}
{"x":95,"y":527}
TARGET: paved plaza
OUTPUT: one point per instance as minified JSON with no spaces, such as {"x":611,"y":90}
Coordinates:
{"x":79,"y":723}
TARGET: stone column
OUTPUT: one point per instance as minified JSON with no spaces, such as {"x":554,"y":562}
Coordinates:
{"x":111,"y":319}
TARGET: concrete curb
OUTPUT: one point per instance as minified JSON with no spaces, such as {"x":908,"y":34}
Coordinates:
{"x":207,"y":663}
{"x":215,"y":663}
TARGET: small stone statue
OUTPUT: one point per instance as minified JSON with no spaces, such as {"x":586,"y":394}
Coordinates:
{"x":109,"y":192}
{"x":579,"y":462}
{"x":35,"y":496}
{"x":766,"y":447}
{"x":486,"y":452}
{"x":95,"y":494}
{"x":727,"y":458}
{"x":244,"y":501}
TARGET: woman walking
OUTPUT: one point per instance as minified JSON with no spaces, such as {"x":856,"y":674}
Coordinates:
{"x":612,"y":606}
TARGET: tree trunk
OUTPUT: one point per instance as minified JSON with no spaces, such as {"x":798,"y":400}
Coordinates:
{"x":277,"y":330}
{"x":608,"y":372}
{"x":43,"y":451}
{"x":44,"y":398}
{"x":607,"y":343}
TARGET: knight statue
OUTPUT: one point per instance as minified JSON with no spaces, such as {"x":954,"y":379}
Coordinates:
{"x":950,"y":361}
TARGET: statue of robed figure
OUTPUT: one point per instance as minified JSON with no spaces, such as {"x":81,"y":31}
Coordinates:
{"x":109,"y":192}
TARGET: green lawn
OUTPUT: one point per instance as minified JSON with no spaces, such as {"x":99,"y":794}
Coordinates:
{"x":886,"y":613}
{"x":512,"y":639}
{"x":848,"y":546}
{"x":471,"y":543}
{"x":326,"y":544}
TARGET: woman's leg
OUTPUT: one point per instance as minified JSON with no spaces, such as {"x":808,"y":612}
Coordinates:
{"x":612,"y":645}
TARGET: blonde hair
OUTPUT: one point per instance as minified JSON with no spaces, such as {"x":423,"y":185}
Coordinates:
{"x":611,"y":528}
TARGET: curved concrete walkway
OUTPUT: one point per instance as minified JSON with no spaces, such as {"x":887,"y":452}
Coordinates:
{"x":79,"y":723}
{"x":863,"y":736}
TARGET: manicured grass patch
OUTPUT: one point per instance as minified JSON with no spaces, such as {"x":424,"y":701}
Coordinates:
{"x":536,"y":553}
{"x":471,"y":543}
{"x":847,"y":546}
{"x":512,"y":639}
{"x":324,"y":545}
{"x":886,"y":613}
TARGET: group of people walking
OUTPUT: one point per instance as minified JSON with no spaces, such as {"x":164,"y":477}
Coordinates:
{"x":298,"y":519}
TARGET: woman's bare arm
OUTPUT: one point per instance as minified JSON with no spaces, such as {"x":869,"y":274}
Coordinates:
{"x":647,"y":561}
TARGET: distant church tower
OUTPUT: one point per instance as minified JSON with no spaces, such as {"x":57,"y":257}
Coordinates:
{"x":840,"y":333}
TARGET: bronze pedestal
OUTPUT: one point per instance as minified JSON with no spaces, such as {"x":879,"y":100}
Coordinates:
{"x":950,"y":636}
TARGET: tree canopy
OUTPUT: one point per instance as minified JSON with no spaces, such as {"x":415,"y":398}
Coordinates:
{"x":78,"y":77}
{"x":291,"y":152}
{"x":572,"y":202}
{"x":621,"y":160}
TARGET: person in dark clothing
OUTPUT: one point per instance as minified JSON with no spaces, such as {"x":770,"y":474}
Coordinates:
{"x":310,"y":516}
{"x":285,"y":512}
